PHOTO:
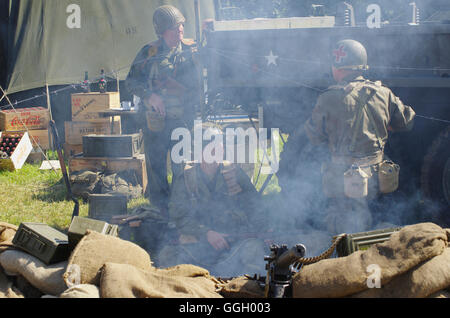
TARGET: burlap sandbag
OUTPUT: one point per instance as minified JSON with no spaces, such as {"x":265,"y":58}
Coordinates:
{"x":126,"y":281}
{"x":7,"y":290}
{"x":46,"y":278}
{"x":94,"y":250}
{"x":419,"y":282}
{"x":7,"y":232}
{"x":242,"y":287}
{"x":185,"y":270}
{"x":440,"y":294}
{"x":81,"y":291}
{"x":346,"y":276}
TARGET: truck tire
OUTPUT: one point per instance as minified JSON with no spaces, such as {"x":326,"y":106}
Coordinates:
{"x":435,"y":175}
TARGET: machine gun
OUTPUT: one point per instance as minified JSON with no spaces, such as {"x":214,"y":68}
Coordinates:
{"x":280,"y":270}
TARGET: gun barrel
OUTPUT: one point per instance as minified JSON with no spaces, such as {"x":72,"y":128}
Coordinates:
{"x":290,"y":256}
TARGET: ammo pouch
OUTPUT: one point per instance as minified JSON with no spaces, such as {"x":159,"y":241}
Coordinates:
{"x":155,"y":121}
{"x":388,"y":176}
{"x":174,"y":111}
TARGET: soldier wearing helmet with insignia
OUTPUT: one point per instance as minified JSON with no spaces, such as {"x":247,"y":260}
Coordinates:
{"x":165,"y":77}
{"x":354,"y":118}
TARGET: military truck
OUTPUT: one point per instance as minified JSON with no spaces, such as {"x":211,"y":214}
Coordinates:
{"x":279,"y":66}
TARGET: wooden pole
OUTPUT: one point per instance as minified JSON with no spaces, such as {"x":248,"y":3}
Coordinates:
{"x":49,"y":106}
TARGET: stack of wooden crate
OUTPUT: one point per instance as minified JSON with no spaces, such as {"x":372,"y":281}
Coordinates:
{"x":87,"y":119}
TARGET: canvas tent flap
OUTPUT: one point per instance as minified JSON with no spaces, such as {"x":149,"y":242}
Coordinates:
{"x":55,"y":41}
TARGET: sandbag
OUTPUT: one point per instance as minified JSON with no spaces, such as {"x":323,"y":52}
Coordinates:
{"x":242,"y":287}
{"x":94,"y":250}
{"x":422,"y":281}
{"x":127,"y":281}
{"x":346,"y":276}
{"x":46,"y":278}
{"x":185,"y":270}
{"x":7,"y":290}
{"x":440,"y":294}
{"x":81,"y":291}
{"x":7,"y":232}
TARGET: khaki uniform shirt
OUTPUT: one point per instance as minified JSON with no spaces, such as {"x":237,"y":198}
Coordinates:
{"x":168,"y":72}
{"x":334,"y":119}
{"x":198,"y":204}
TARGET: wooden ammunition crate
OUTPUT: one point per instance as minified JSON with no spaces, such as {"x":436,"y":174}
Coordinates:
{"x":32,"y":118}
{"x":86,"y":106}
{"x":75,"y":130}
{"x":72,"y":150}
{"x":111,"y":165}
{"x":19,"y":156}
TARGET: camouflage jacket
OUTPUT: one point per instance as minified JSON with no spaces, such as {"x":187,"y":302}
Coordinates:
{"x":334,"y":119}
{"x":198,"y":204}
{"x":171,"y":73}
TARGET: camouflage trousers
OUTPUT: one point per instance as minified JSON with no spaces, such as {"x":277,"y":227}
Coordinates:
{"x":243,"y":257}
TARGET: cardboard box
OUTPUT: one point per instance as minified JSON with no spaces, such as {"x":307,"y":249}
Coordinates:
{"x":19,"y":156}
{"x":32,"y":118}
{"x":72,"y":150}
{"x":112,"y":165}
{"x":85,"y":106}
{"x":39,"y":137}
{"x":75,"y":130}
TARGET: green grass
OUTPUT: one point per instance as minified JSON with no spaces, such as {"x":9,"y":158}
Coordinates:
{"x":33,"y":195}
{"x":272,"y":186}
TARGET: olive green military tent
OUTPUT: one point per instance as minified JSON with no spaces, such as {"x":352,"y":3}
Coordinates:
{"x":55,"y":41}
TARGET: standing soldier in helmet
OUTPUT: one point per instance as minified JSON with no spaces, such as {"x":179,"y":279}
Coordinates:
{"x":353,"y":119}
{"x":165,"y":78}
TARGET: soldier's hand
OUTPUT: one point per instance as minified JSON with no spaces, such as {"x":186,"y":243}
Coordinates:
{"x":155,"y":101}
{"x":217,"y":240}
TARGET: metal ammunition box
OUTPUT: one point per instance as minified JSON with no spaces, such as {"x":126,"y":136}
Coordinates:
{"x":116,"y":146}
{"x":104,"y":206}
{"x":42,"y":241}
{"x":363,"y":240}
{"x":80,"y":225}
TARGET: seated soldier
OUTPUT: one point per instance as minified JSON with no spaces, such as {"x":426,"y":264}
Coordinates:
{"x":212,"y":206}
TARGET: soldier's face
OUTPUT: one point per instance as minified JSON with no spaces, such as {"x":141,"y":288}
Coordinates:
{"x":174,"y":36}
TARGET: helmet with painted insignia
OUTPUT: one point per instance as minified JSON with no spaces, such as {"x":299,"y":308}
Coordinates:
{"x":351,"y":55}
{"x":167,"y":17}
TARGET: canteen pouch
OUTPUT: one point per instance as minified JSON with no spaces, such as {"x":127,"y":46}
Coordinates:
{"x":155,"y":121}
{"x":388,"y":176}
{"x":356,"y":183}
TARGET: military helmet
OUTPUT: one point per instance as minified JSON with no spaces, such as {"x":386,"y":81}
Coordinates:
{"x":167,"y":17}
{"x":350,"y":54}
